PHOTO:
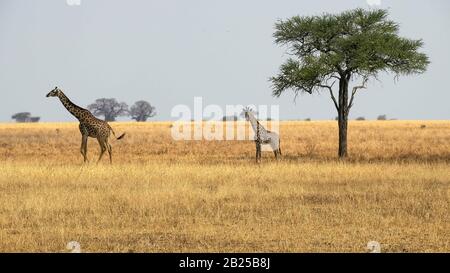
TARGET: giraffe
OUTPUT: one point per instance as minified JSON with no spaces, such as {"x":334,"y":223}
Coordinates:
{"x":90,"y":126}
{"x":262,"y":136}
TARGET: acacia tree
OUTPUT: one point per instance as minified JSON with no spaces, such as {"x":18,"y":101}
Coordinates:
{"x":142,"y":110}
{"x":353,"y":46}
{"x":22,"y":116}
{"x":25,"y":117}
{"x":109,"y":108}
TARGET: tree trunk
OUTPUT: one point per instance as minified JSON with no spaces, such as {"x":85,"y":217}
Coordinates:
{"x":342,"y":153}
{"x":343,"y":116}
{"x":142,"y":118}
{"x":110,"y":118}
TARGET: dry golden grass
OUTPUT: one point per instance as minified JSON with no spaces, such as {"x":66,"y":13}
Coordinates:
{"x":162,"y":195}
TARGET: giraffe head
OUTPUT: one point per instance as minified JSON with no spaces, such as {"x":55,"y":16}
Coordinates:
{"x":247,"y":111}
{"x":54,"y":93}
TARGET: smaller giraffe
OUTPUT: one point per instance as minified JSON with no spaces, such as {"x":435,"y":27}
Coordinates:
{"x":90,"y":126}
{"x":262,"y":136}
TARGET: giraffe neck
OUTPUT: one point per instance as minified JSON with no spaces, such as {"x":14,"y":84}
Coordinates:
{"x":74,"y":109}
{"x":257,"y":127}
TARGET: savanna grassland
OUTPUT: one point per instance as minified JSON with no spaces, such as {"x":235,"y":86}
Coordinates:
{"x":162,"y":195}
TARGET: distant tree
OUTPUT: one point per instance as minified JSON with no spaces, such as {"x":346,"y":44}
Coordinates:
{"x":142,"y":110}
{"x":307,"y":119}
{"x":229,"y":118}
{"x":382,"y":117}
{"x":360,"y":118}
{"x":109,"y":108}
{"x":35,"y":119}
{"x":25,"y":117}
{"x":332,"y":51}
{"x":22,"y":116}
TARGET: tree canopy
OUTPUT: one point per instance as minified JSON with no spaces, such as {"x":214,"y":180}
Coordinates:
{"x":142,"y":110}
{"x":109,"y":108}
{"x":354,"y":43}
{"x":21,"y":117}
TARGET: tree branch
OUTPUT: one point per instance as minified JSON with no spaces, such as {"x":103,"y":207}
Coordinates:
{"x":330,"y":88}
{"x":362,"y":86}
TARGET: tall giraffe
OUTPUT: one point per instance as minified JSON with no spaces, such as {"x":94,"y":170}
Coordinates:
{"x":90,"y":126}
{"x":262,"y":135}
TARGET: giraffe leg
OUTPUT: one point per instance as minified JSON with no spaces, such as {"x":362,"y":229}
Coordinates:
{"x":109,"y":151}
{"x":258,"y":152}
{"x":83,"y":148}
{"x":102,"y":144}
{"x":275,"y":149}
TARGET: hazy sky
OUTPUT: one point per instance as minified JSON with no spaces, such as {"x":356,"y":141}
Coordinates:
{"x":169,"y":51}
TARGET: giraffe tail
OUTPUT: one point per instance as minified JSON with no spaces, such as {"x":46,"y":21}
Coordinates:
{"x":120,"y":137}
